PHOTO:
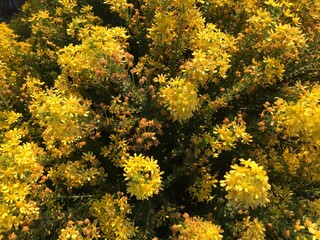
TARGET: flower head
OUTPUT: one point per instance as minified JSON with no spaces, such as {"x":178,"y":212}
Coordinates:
{"x":194,"y":228}
{"x":181,"y":99}
{"x":252,"y":229}
{"x":143,"y":176}
{"x":247,"y":185}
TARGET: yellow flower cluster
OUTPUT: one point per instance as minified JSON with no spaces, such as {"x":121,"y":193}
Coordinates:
{"x":211,"y":55}
{"x":201,"y":189}
{"x":111,"y":216}
{"x":20,"y":169}
{"x":251,"y":229}
{"x":80,"y":230}
{"x":231,"y":132}
{"x":180,"y":97}
{"x":100,"y":57}
{"x":224,"y":137}
{"x":195,"y":228}
{"x":117,"y":150}
{"x":68,"y":4}
{"x":8,"y":118}
{"x":7,"y":83}
{"x":174,"y":25}
{"x":284,"y":38}
{"x":299,"y":122}
{"x":308,"y":229}
{"x":11,"y":50}
{"x":273,"y":70}
{"x":266,"y":72}
{"x":189,"y":96}
{"x":81,"y":22}
{"x":64,"y":119}
{"x":247,"y":185}
{"x":260,"y":21}
{"x":70,"y":233}
{"x":300,"y":119}
{"x":75,"y":174}
{"x":143,"y":176}
{"x":12,"y":56}
{"x":122,"y":7}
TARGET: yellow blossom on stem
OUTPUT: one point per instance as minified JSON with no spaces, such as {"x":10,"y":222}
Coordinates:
{"x":252,"y":229}
{"x":195,"y":228}
{"x":180,"y":97}
{"x":143,"y":176}
{"x":111,"y":215}
{"x":201,"y":189}
{"x":247,"y":185}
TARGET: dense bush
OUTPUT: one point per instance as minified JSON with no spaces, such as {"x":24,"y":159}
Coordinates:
{"x":181,"y":119}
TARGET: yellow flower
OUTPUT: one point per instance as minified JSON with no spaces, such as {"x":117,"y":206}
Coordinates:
{"x":120,"y":6}
{"x":143,"y":176}
{"x":273,"y":69}
{"x":111,"y":215}
{"x":312,"y":227}
{"x":181,"y":99}
{"x":194,"y":228}
{"x":98,"y":58}
{"x":247,"y":185}
{"x":201,"y":189}
{"x":75,"y":174}
{"x":64,"y":119}
{"x":297,"y":226}
{"x":252,"y":229}
{"x":316,"y":235}
{"x":70,"y":233}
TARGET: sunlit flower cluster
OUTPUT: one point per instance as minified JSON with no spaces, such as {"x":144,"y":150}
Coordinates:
{"x":75,"y":174}
{"x":224,"y":137}
{"x":195,"y":228}
{"x":121,"y":7}
{"x":98,"y":59}
{"x":83,"y":21}
{"x":117,"y":150}
{"x":247,"y":185}
{"x":9,"y":45}
{"x":300,"y":119}
{"x":273,"y":70}
{"x":173,"y":27}
{"x":297,"y":121}
{"x":64,"y":119}
{"x":79,"y":230}
{"x":201,"y":189}
{"x":308,"y":229}
{"x":211,"y":55}
{"x":143,"y":176}
{"x":251,"y":229}
{"x":180,"y":97}
{"x":285,"y":38}
{"x":20,"y":169}
{"x":111,"y":216}
{"x":70,"y":233}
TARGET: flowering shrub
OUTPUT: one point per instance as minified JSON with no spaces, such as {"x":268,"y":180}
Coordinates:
{"x":139,"y":119}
